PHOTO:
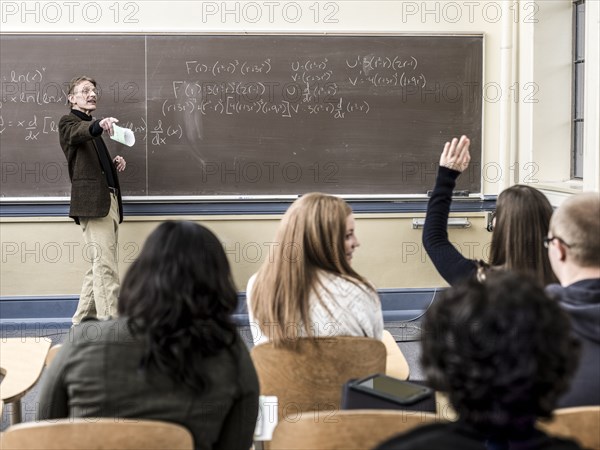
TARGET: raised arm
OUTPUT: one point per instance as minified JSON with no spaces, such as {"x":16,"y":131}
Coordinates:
{"x":448,"y":261}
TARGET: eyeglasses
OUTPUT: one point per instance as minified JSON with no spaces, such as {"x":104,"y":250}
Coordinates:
{"x":87,"y":91}
{"x":547,"y":241}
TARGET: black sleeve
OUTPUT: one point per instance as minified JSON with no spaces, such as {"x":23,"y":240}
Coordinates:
{"x":95,"y":128}
{"x":448,"y":261}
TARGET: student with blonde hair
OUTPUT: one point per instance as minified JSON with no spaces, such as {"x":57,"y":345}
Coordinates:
{"x":307,"y":287}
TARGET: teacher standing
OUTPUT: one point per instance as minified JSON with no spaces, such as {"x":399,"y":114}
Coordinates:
{"x":96,"y":203}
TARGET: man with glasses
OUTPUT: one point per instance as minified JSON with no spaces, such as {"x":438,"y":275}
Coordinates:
{"x":573,"y":244}
{"x":96,"y":202}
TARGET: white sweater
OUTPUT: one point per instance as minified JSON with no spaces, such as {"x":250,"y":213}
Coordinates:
{"x":355,"y":310}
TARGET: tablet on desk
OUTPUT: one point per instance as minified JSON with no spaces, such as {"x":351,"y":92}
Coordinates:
{"x":393,"y":389}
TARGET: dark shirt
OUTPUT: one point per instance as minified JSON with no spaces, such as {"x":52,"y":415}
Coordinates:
{"x":460,"y":436}
{"x":448,"y":261}
{"x":581,"y":301}
{"x":103,"y":155}
{"x":96,"y":374}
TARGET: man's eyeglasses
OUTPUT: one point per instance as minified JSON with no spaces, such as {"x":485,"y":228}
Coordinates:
{"x":547,"y":241}
{"x":88,"y":90}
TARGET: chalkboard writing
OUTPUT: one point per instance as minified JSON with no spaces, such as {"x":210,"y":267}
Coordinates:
{"x":247,"y":115}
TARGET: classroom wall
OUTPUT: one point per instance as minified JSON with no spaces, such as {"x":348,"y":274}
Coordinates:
{"x":49,"y":257}
{"x":526,"y":122}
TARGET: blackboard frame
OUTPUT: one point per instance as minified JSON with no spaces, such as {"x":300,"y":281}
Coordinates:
{"x":264,"y":198}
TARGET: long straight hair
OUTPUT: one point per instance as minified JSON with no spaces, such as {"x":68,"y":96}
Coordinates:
{"x":310,"y":238}
{"x":522,"y":221}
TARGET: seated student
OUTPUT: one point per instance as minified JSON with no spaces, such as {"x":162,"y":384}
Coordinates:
{"x":574,"y":250}
{"x":307,"y":287}
{"x":521,"y":222}
{"x":503,"y":353}
{"x":174,"y":353}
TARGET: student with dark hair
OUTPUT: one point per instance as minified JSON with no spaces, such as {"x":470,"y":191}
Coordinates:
{"x":521,"y":222}
{"x":503,"y":352}
{"x":174,"y":354}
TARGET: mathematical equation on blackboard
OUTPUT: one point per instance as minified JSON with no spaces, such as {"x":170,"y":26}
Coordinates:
{"x":312,"y":86}
{"x":370,"y":104}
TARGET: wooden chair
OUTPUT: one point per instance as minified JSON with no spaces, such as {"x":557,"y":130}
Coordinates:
{"x":311,"y":377}
{"x":21,"y":363}
{"x":351,"y":429}
{"x":96,"y":434}
{"x":52,"y":353}
{"x":582,"y":424}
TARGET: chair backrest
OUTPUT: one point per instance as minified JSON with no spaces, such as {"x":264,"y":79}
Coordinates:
{"x":581,"y":423}
{"x":96,"y":434}
{"x":52,"y":353}
{"x":312,"y":376}
{"x":346,"y":429}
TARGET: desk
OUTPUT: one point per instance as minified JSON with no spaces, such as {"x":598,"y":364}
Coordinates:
{"x":21,"y":362}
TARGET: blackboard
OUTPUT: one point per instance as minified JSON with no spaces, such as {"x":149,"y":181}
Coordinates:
{"x":227,"y":115}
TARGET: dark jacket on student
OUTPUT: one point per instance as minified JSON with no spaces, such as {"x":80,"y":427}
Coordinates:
{"x":461,"y":436}
{"x":96,"y":374}
{"x":581,"y":301}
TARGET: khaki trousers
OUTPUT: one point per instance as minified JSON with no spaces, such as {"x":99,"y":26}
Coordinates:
{"x":100,"y":290}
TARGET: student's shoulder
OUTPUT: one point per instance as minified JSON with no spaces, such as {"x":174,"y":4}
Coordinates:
{"x":428,"y":437}
{"x":93,"y":331}
{"x":349,"y":287}
{"x":251,"y":282}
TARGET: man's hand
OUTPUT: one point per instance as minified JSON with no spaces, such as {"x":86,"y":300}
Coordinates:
{"x":119,"y":163}
{"x":456,"y":154}
{"x":107,"y":124}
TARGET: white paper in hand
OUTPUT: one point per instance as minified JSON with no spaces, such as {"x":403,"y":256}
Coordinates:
{"x":123,"y":135}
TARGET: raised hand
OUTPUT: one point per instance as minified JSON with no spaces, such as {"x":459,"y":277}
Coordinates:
{"x":456,"y":154}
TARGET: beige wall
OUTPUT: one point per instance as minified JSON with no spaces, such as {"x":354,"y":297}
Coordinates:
{"x":42,"y":257}
{"x":526,"y":136}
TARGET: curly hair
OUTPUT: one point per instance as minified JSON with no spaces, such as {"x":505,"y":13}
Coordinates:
{"x":501,"y":349}
{"x":178,"y":297}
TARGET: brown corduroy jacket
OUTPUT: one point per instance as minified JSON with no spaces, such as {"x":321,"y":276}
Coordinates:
{"x":90,"y":196}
